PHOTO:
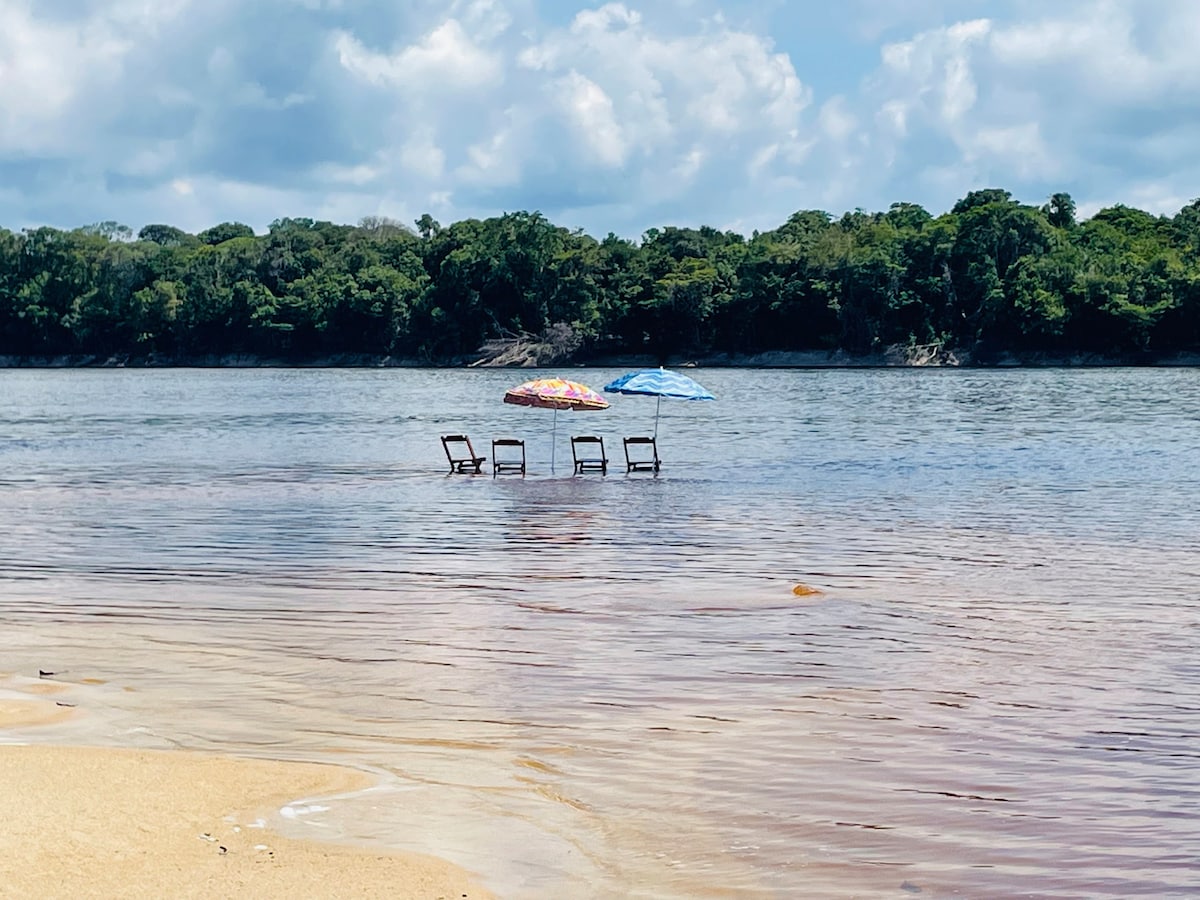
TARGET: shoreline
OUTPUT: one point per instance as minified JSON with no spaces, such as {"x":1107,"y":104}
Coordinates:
{"x":894,"y":358}
{"x":109,"y":822}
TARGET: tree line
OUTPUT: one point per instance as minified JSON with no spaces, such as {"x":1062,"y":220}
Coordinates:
{"x":990,"y":277}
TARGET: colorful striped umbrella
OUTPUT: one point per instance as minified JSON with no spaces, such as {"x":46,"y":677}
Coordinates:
{"x":555,"y":394}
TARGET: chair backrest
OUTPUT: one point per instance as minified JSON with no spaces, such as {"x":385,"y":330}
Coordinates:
{"x":587,"y":446}
{"x":463,"y":451}
{"x":461,"y":454}
{"x":508,"y":459}
{"x":638,"y":460}
{"x":588,"y":453}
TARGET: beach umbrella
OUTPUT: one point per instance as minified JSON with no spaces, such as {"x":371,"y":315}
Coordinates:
{"x":659,"y":383}
{"x":555,"y":394}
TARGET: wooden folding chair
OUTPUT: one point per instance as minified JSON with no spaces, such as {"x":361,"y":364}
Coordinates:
{"x":637,"y":461}
{"x":506,"y":448}
{"x":461,"y":454}
{"x":588,"y":453}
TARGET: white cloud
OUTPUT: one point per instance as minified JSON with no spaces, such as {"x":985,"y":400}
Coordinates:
{"x":1021,"y":144}
{"x":1041,"y":98}
{"x":836,"y":120}
{"x":611,"y":116}
{"x":1096,"y":53}
{"x":492,"y":161}
{"x":892,"y":118}
{"x":933,"y":72}
{"x":446,"y":56}
{"x":422,"y":156}
{"x":591,"y":111}
{"x":610,"y":17}
{"x":362,"y":174}
{"x":664,"y":106}
{"x":48,"y":69}
{"x":486,"y":19}
{"x":762,"y":158}
{"x":690,"y":164}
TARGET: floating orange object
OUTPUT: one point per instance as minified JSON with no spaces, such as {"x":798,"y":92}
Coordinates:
{"x":803,"y":590}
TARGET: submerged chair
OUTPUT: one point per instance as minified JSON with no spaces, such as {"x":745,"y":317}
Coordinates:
{"x":505,"y":458}
{"x":461,"y":454}
{"x":638,"y":461}
{"x":588,"y":452}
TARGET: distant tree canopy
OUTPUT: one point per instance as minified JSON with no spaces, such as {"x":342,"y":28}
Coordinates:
{"x":991,"y":276}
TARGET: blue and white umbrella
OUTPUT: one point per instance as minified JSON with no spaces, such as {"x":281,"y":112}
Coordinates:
{"x":659,"y":383}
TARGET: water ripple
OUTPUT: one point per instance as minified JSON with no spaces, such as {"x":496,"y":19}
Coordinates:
{"x":994,"y":694}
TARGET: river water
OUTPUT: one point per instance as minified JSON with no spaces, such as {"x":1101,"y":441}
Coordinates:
{"x":605,"y":686}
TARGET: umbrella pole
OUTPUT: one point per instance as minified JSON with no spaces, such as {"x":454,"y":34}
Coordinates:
{"x":657,"y":407}
{"x":553,"y":439}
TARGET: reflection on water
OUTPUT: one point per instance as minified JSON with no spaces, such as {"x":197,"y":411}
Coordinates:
{"x":607,"y":684}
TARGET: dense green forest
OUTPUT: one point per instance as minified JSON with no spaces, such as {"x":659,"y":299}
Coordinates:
{"x":991,"y":277}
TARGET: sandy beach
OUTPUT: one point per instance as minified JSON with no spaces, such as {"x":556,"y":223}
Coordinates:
{"x":101,"y":822}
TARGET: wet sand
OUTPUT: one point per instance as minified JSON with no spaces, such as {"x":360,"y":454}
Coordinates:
{"x":102,"y":822}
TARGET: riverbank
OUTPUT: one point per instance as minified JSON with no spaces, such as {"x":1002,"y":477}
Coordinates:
{"x":896,"y":357}
{"x":103,"y":822}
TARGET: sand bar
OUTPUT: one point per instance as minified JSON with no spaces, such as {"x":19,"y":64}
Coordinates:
{"x":98,"y":822}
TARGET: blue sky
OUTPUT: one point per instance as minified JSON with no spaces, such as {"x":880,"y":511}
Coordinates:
{"x":603,"y":116}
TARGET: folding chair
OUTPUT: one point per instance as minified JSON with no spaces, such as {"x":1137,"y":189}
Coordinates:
{"x":507,"y":448}
{"x":588,"y":452}
{"x":637,"y":461}
{"x":461,"y":454}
